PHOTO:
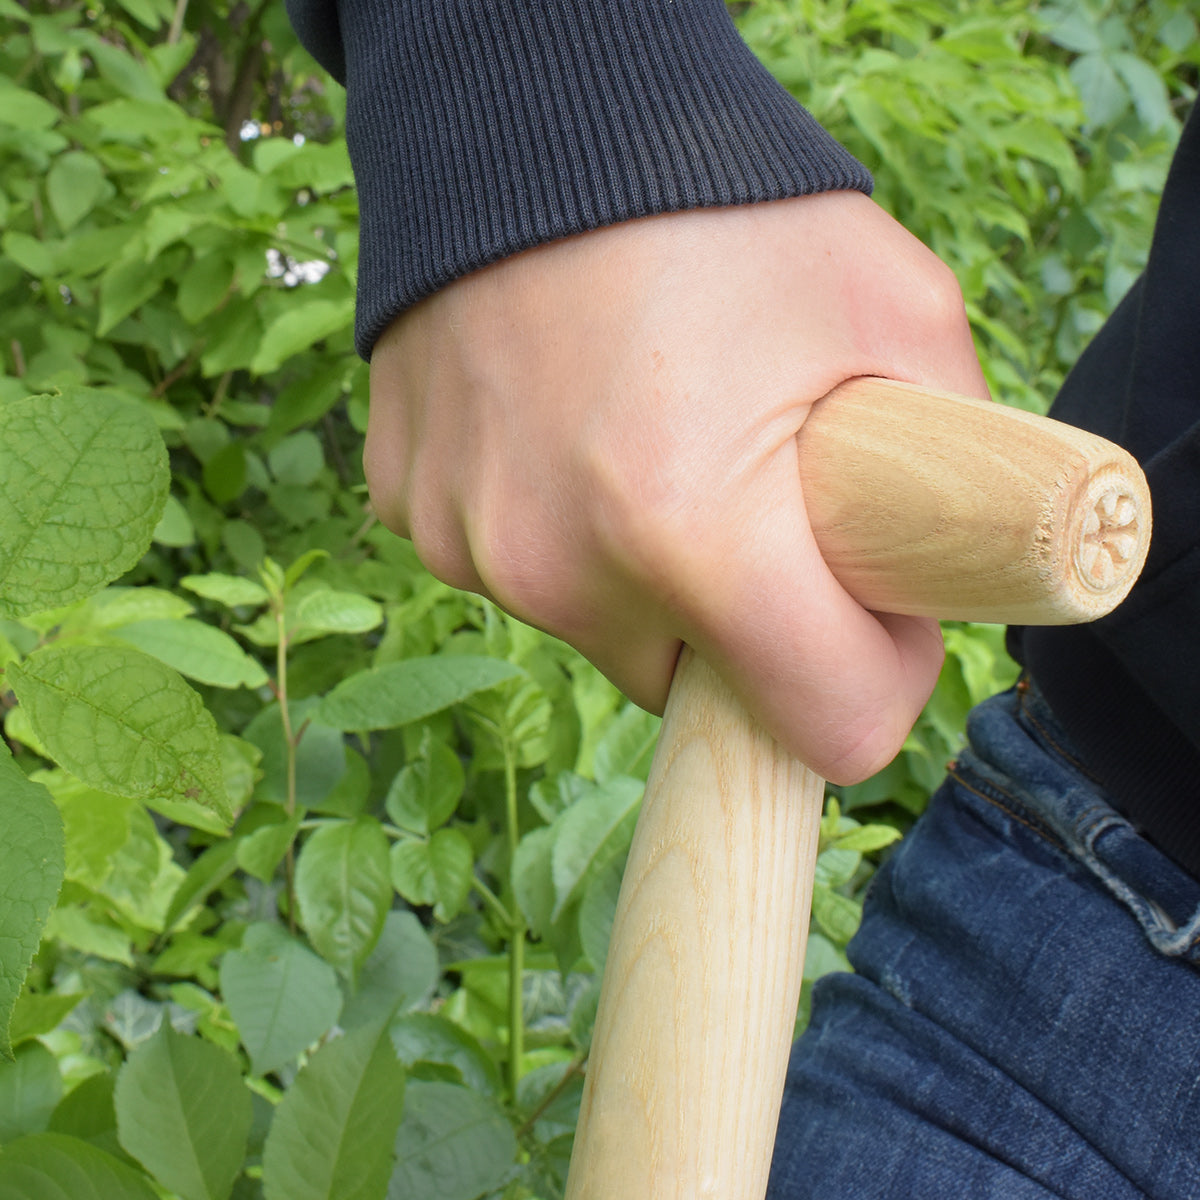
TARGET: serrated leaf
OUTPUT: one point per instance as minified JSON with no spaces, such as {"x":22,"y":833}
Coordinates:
{"x":331,"y":611}
{"x":123,"y":722}
{"x":400,"y":692}
{"x":51,"y":1166}
{"x":333,"y":1133}
{"x":453,"y":1144}
{"x":83,"y":481}
{"x":344,"y":890}
{"x":231,"y":590}
{"x":281,"y":996}
{"x":199,"y":651}
{"x":184,"y":1114}
{"x":31,"y":872}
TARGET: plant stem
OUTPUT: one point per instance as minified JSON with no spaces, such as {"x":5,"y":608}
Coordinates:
{"x":574,"y":1067}
{"x":516,"y":945}
{"x":290,"y":742}
{"x":493,"y":902}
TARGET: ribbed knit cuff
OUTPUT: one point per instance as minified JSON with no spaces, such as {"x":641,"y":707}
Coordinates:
{"x":479,"y":129}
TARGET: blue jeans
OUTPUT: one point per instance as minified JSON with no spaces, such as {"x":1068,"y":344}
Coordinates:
{"x":1024,"y":1020}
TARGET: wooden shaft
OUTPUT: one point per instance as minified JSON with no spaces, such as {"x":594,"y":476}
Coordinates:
{"x":921,"y":504}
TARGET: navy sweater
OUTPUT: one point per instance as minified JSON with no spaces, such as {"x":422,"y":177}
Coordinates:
{"x":480,"y":129}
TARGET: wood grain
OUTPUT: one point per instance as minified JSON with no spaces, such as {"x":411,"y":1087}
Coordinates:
{"x":921,"y":504}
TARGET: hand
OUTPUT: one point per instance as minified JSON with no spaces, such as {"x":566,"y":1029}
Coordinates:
{"x":599,"y":434}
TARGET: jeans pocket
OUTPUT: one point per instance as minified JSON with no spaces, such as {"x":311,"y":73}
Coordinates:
{"x":1022,"y":761}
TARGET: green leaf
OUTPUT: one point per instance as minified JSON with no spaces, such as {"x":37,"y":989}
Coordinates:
{"x":224,"y":473}
{"x":333,"y":1133}
{"x":867,"y":838}
{"x":126,"y":286}
{"x":203,"y":286}
{"x":184,"y":1114}
{"x":204,"y":876}
{"x":297,"y":459}
{"x":320,"y":758}
{"x":400,"y":974}
{"x":438,"y":871}
{"x":231,"y":590}
{"x":53,"y":1166}
{"x":589,"y":835}
{"x":37,"y":1013}
{"x":22,"y":109}
{"x":36,"y":257}
{"x":87,"y":1112}
{"x":597,"y":911}
{"x":344,"y":890}
{"x":31,"y":872}
{"x":260,"y":853}
{"x":627,"y":745}
{"x":281,"y":996}
{"x":330,"y":611}
{"x":174,"y":527}
{"x":299,"y":326}
{"x":425,"y":793}
{"x":405,"y":691}
{"x":837,"y":915}
{"x":124,"y":723}
{"x":422,"y":1037}
{"x":196,"y":650}
{"x":74,"y":184}
{"x":83,"y":480}
{"x":453,"y":1144}
{"x":533,"y":878}
{"x":30,"y":1088}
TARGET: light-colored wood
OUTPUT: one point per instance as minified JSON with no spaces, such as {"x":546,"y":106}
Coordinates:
{"x":703,"y":977}
{"x":964,"y":510}
{"x":921,"y":504}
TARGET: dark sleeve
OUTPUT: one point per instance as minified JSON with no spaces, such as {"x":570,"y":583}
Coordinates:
{"x":478,"y":129}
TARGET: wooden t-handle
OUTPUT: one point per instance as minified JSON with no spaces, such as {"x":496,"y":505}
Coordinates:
{"x":921,"y":504}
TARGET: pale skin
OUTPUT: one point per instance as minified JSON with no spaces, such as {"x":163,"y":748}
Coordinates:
{"x":599,"y":435}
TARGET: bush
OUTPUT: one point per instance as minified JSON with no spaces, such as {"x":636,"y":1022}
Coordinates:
{"x":309,"y":860}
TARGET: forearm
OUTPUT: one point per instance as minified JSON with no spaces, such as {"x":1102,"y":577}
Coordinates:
{"x":478,"y":131}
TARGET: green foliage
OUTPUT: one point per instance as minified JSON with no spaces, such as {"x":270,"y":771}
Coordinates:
{"x":310,"y":862}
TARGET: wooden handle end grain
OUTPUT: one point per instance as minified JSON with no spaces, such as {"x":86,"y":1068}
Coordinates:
{"x":965,"y":510}
{"x":921,"y":504}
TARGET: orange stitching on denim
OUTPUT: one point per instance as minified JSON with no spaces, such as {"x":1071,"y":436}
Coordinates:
{"x":1079,"y":766}
{"x":1043,"y":833}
